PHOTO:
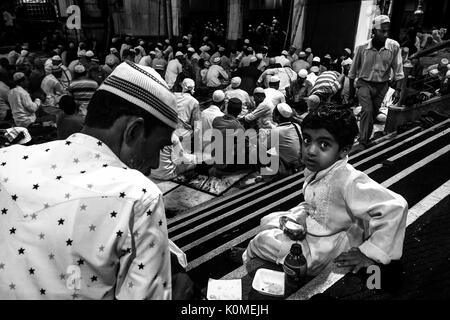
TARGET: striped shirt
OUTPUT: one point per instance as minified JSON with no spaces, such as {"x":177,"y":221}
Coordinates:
{"x":82,"y":91}
{"x":372,"y":65}
{"x":327,"y":83}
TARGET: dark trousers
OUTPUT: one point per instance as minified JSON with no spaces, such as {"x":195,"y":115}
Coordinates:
{"x":370,"y":97}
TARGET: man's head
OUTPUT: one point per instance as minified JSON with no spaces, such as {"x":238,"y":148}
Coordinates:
{"x":134,"y":113}
{"x":236,"y":82}
{"x":347,"y":53}
{"x":302,"y":74}
{"x":282,"y":113}
{"x":19,"y":79}
{"x":179,"y":55}
{"x":188,"y":85}
{"x":234,"y":107}
{"x":89,"y":55}
{"x":67,"y":104}
{"x":381,"y":28}
{"x":57,"y":71}
{"x":313,"y":102}
{"x":274,"y":82}
{"x":292,"y":50}
{"x":328,"y":136}
{"x":79,"y":71}
{"x":219,"y":99}
{"x":259,"y":95}
{"x":315,"y":70}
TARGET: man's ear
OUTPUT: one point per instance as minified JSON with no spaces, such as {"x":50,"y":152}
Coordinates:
{"x":133,"y":131}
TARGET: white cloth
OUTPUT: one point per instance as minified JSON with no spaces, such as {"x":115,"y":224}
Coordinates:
{"x":262,"y":115}
{"x":108,"y":221}
{"x":53,"y":89}
{"x":208,"y":116}
{"x":22,"y":107}
{"x":174,"y":68}
{"x":188,"y":112}
{"x":275,"y":96}
{"x":348,"y":207}
{"x":286,"y":75}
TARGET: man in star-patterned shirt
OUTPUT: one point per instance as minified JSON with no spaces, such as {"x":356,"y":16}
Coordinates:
{"x":79,"y":219}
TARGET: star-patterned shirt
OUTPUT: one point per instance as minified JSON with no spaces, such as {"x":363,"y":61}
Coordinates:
{"x":76,"y":223}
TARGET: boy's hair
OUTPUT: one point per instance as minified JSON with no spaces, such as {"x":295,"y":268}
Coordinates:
{"x":340,"y":122}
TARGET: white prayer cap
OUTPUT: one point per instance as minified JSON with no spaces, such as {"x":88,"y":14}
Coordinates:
{"x":179,"y":54}
{"x":258,"y":90}
{"x":379,"y":20}
{"x":246,"y":41}
{"x":285,"y":110}
{"x":188,"y":84}
{"x":259,"y":56}
{"x":79,"y":68}
{"x":316,"y":59}
{"x":236,"y":82}
{"x":284,"y":53}
{"x":218,"y":96}
{"x":216,"y":60}
{"x":145,"y":88}
{"x":348,"y":50}
{"x":274,"y":79}
{"x":191,"y":50}
{"x":303,"y":73}
{"x":302,"y":54}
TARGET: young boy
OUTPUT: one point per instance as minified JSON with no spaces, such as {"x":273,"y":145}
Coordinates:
{"x":350,"y":219}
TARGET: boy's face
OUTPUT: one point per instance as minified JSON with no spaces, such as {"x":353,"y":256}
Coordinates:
{"x":320,"y":149}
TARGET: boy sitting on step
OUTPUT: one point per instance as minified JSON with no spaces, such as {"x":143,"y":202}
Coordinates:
{"x":349,"y":218}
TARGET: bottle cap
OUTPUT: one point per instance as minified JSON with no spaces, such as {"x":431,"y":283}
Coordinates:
{"x":296,"y":249}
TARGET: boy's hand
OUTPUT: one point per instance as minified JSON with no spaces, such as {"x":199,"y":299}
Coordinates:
{"x":353,"y":258}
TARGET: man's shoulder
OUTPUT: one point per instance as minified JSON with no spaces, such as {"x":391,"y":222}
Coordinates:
{"x":391,"y":43}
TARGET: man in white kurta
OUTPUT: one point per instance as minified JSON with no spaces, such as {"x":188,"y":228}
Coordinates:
{"x":346,"y":207}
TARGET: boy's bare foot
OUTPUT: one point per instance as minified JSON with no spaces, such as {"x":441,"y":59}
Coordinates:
{"x":236,"y":254}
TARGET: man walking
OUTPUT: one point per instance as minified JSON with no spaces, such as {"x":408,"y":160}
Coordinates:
{"x":372,"y":66}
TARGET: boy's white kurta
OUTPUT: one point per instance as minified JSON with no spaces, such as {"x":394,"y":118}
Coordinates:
{"x":348,"y":210}
{"x":73,"y":204}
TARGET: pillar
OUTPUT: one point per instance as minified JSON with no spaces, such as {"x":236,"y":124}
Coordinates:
{"x":235,"y":20}
{"x":298,"y":23}
{"x":176,"y":15}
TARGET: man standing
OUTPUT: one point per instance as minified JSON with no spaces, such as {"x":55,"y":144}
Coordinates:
{"x":174,"y":68}
{"x":188,"y":112}
{"x":80,"y":219}
{"x":372,"y":66}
